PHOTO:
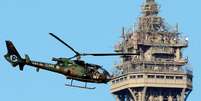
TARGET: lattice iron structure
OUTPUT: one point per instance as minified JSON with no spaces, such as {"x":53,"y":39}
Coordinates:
{"x":159,"y":72}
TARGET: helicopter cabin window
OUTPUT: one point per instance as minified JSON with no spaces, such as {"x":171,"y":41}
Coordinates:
{"x":100,"y":70}
{"x":93,"y":66}
{"x":60,"y":64}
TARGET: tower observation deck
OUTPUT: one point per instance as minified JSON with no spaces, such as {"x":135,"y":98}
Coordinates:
{"x":159,"y":72}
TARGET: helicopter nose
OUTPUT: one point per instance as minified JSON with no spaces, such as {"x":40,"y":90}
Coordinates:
{"x":105,"y":75}
{"x":108,"y":77}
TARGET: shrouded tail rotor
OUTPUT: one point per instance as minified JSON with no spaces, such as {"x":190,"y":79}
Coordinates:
{"x":13,"y":57}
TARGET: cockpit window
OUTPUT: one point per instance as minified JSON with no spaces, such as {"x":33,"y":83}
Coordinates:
{"x":60,"y":63}
{"x":93,"y":66}
{"x":100,"y":70}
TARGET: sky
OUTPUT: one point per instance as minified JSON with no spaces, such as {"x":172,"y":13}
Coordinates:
{"x":88,"y":26}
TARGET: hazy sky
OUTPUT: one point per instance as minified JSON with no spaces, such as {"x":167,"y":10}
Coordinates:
{"x":89,"y":26}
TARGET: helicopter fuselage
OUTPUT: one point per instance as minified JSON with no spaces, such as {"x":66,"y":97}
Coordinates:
{"x":72,"y":69}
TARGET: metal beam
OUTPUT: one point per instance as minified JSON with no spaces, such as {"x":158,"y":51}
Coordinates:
{"x":133,"y":94}
{"x":144,"y":93}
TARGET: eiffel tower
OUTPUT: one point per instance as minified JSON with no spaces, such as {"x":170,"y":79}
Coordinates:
{"x":159,"y":72}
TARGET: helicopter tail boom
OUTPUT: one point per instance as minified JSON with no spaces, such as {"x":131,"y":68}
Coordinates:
{"x":13,"y":56}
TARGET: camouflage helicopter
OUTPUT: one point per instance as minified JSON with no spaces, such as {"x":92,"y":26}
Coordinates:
{"x":76,"y":69}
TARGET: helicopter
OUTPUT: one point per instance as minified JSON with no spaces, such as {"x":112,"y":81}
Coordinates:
{"x":76,"y":69}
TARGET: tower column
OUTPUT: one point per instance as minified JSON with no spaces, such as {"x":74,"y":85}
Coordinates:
{"x":170,"y":98}
{"x":117,"y":98}
{"x":160,"y":98}
{"x":132,"y":94}
{"x":178,"y":97}
{"x":178,"y":54}
{"x":140,"y":96}
{"x":144,"y":93}
{"x":182,"y":94}
{"x":151,"y":98}
{"x":130,"y":98}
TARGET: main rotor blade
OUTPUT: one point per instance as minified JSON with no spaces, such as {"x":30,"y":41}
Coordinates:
{"x":77,"y":53}
{"x":108,"y":54}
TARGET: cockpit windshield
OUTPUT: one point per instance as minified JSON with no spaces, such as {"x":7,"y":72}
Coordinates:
{"x":93,"y":66}
{"x":101,"y":70}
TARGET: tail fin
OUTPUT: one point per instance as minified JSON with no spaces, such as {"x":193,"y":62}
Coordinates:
{"x":13,"y":56}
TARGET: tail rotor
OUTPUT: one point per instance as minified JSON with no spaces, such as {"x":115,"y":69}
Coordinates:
{"x":13,"y":57}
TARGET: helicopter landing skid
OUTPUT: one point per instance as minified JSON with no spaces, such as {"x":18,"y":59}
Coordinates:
{"x":77,"y":86}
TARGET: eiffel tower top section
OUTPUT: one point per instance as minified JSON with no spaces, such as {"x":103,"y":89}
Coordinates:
{"x":156,"y":43}
{"x":150,"y":21}
{"x":159,"y":72}
{"x":150,"y":8}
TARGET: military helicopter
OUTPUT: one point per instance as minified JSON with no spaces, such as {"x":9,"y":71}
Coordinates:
{"x":76,"y":69}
